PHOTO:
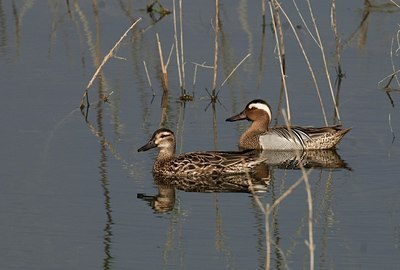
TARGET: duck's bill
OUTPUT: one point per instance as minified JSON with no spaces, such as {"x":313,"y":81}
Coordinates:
{"x":147,"y":146}
{"x":240,"y":116}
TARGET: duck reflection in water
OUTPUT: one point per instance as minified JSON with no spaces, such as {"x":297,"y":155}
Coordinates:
{"x":249,"y":171}
{"x":256,"y":181}
{"x":323,"y":159}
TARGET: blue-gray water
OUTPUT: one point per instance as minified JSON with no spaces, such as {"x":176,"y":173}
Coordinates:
{"x":69,"y":198}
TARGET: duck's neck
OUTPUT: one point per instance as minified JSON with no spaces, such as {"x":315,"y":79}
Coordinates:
{"x":166,"y":153}
{"x":250,"y":137}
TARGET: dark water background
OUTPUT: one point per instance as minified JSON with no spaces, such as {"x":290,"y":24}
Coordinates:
{"x":69,"y":198}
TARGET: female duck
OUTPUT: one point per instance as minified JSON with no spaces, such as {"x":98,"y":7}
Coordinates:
{"x":196,"y":163}
{"x":259,"y":136}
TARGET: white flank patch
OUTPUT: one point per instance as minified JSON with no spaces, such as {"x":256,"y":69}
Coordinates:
{"x":263,"y":107}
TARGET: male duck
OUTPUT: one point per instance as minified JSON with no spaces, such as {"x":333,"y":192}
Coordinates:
{"x":197,"y":163}
{"x":259,"y":136}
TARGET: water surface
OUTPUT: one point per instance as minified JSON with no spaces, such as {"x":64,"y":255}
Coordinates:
{"x":69,"y":185}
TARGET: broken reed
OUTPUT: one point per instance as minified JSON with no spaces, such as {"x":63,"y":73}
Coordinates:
{"x":164,"y":78}
{"x":105,"y":59}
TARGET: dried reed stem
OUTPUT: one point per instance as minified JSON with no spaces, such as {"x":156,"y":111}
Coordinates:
{"x":177,"y":47}
{"x":397,"y":5}
{"x":337,"y":39}
{"x":391,"y":57}
{"x":308,"y":64}
{"x":169,"y":56}
{"x":182,"y":55}
{"x":163,"y":69}
{"x":279,"y":47}
{"x":194,"y":77}
{"x":304,"y":23}
{"x":105,"y":59}
{"x":215,"y":49}
{"x":230,"y":74}
{"x":263,"y":15}
{"x":324,"y":59}
{"x":147,"y":73}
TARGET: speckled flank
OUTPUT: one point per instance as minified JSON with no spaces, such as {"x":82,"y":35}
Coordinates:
{"x":259,"y":136}
{"x":327,"y":140}
{"x":197,"y":163}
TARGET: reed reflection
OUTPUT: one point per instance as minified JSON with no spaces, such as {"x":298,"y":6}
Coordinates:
{"x":164,"y":201}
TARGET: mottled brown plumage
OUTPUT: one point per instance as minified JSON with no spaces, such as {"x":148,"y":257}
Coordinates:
{"x":197,"y":163}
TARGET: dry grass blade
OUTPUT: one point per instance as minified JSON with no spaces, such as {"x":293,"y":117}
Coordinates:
{"x":393,"y":75}
{"x":230,"y":74}
{"x":308,"y":64}
{"x":304,"y":23}
{"x":324,"y":59}
{"x":106,"y":58}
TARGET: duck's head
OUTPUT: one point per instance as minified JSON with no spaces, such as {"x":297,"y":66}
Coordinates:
{"x":256,"y":110}
{"x":162,"y":138}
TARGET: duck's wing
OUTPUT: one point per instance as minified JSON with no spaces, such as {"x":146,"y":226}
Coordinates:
{"x":283,"y":137}
{"x":217,"y":161}
{"x":315,"y":132}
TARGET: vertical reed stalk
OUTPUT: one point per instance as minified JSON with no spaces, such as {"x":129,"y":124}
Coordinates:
{"x":323,"y":58}
{"x":177,"y":47}
{"x":308,"y":64}
{"x":215,"y":49}
{"x":279,"y":45}
{"x":337,"y":39}
{"x":263,"y":15}
{"x":163,"y":68}
{"x":182,"y":55}
{"x":277,"y":20}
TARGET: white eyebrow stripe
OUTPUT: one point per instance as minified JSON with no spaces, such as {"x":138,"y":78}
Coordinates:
{"x":263,"y":107}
